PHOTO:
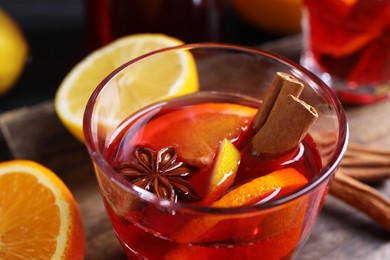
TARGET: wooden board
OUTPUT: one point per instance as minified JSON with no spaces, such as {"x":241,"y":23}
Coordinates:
{"x":341,"y":232}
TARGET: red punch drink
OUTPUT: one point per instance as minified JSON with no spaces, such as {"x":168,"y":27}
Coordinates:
{"x":195,"y":128}
{"x":348,"y":44}
{"x":233,"y":162}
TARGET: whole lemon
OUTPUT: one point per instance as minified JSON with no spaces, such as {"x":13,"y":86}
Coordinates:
{"x":13,"y":52}
{"x":276,"y":16}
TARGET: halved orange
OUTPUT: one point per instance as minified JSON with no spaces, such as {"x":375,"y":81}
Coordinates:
{"x":39,"y":217}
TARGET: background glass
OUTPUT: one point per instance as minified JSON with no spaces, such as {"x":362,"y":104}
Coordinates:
{"x":347,"y":43}
{"x":147,"y":230}
{"x":188,"y":20}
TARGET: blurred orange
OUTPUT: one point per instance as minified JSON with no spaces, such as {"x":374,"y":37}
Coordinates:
{"x":276,"y":16}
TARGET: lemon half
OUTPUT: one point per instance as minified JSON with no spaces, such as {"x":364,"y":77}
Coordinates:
{"x":74,"y":91}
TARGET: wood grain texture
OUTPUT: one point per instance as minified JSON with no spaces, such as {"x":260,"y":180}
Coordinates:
{"x":341,"y":232}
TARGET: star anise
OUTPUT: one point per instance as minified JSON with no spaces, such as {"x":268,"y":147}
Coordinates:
{"x":160,"y":172}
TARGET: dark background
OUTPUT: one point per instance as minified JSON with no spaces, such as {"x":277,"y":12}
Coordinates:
{"x":54,"y":30}
{"x":56,"y":34}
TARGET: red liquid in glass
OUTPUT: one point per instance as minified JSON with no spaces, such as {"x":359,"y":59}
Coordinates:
{"x":146,"y":232}
{"x":188,"y":20}
{"x":350,"y":40}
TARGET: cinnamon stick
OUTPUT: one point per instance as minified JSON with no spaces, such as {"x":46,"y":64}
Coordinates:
{"x":282,"y":85}
{"x":366,"y":160}
{"x":361,"y":149}
{"x":362,"y":197}
{"x":282,"y":120}
{"x":367,"y":174}
{"x":367,"y":164}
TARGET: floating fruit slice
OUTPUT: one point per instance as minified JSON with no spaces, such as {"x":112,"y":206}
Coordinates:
{"x":209,"y":123}
{"x":276,"y":235}
{"x":371,"y":70}
{"x":149,"y":81}
{"x":350,"y":28}
{"x":224,"y":172}
{"x":271,"y":186}
{"x":279,"y":247}
{"x":39,"y":218}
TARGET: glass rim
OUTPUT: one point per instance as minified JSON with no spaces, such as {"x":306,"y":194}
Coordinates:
{"x":325,"y":173}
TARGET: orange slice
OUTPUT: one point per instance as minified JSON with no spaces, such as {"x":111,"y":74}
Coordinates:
{"x":351,"y":27}
{"x":209,"y":124}
{"x":271,"y":186}
{"x":279,"y":247}
{"x":39,"y":218}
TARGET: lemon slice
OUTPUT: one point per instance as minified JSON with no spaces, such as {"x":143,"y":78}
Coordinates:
{"x":74,"y":91}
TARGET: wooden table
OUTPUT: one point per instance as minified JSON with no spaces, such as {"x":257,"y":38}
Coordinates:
{"x":341,"y":232}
